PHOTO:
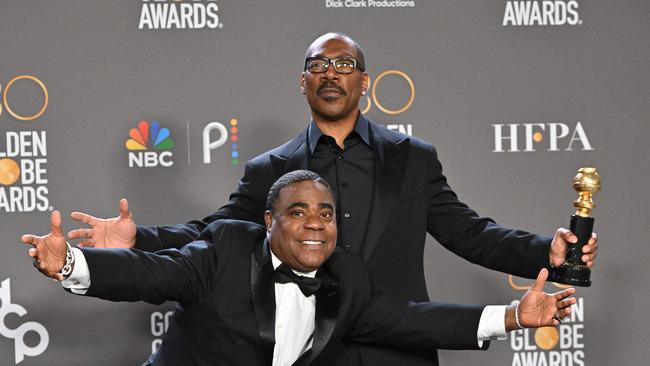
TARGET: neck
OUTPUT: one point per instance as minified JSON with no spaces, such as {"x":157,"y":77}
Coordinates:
{"x":338,"y":129}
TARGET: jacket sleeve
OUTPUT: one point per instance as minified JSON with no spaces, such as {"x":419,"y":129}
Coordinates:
{"x":184,"y":275}
{"x":246,"y":203}
{"x":418,"y":326}
{"x":479,"y":239}
{"x":381,"y":320}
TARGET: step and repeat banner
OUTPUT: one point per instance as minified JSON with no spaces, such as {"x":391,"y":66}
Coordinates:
{"x":163,"y":102}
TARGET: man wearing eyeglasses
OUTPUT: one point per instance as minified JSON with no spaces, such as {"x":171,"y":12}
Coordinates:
{"x":390,"y":191}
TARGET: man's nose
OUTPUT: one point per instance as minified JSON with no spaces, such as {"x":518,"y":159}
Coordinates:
{"x":313,"y":222}
{"x":331,"y":73}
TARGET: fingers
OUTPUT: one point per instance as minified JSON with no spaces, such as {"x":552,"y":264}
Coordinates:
{"x":563,"y":313}
{"x":564,"y":293}
{"x":589,"y":250}
{"x":85,"y":218}
{"x":32,"y":252}
{"x":563,"y":310}
{"x":593,"y":239}
{"x":566,"y":303}
{"x":539,"y":282}
{"x":563,"y":305}
{"x":86,"y":243}
{"x":30,"y":239}
{"x":80,"y":233}
{"x":124,"y":209}
{"x":566,"y":235}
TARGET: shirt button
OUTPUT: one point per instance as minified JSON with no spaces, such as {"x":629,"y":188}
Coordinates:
{"x":340,"y":156}
{"x":348,"y":246}
{"x":346,"y":215}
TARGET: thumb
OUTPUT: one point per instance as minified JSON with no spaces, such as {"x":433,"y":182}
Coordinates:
{"x":55,"y":223}
{"x":124,"y":209}
{"x":541,"y":279}
{"x":568,"y":236}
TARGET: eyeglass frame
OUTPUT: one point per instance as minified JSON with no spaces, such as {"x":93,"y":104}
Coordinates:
{"x":331,"y":62}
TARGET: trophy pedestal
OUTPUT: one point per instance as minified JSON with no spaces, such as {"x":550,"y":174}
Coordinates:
{"x":569,"y":274}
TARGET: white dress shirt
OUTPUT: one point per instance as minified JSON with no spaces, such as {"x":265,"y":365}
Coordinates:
{"x":295,"y":313}
{"x":295,"y":317}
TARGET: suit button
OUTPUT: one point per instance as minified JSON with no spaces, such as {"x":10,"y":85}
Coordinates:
{"x":340,"y":156}
{"x":346,"y":215}
{"x":348,"y":246}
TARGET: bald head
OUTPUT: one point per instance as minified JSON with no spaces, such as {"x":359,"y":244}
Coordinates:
{"x":318,"y":42}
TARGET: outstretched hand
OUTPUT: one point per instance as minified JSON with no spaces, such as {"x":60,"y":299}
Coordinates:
{"x":560,"y":246}
{"x":116,"y":232}
{"x":539,"y":309}
{"x":49,"y":250}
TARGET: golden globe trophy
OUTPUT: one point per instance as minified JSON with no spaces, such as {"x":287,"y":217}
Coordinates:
{"x":574,"y":271}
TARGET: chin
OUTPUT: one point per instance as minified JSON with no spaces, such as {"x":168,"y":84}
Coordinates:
{"x":332,"y":114}
{"x":311,"y":264}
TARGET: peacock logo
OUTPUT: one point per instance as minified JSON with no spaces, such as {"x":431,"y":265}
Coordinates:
{"x":143,"y":139}
{"x":139,"y":137}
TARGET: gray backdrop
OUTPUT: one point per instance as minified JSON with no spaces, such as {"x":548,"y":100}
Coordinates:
{"x":570,"y":77}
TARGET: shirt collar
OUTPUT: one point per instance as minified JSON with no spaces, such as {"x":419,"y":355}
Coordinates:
{"x":277,"y":262}
{"x":362,"y":127}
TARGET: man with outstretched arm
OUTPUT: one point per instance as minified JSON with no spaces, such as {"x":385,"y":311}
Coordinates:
{"x":390,"y":191}
{"x":279,"y":294}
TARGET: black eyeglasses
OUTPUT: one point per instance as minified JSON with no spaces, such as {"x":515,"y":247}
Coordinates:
{"x":343,"y":65}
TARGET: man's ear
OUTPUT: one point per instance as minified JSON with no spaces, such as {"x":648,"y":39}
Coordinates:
{"x":268,"y":220}
{"x":365,"y":83}
{"x":302,"y":83}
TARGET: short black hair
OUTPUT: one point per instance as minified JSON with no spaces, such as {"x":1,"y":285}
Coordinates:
{"x":361,"y":58}
{"x":290,"y":178}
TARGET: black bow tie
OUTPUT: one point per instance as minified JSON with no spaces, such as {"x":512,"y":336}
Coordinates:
{"x":308,"y":285}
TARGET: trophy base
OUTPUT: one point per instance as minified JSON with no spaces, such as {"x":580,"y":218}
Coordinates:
{"x":571,"y":275}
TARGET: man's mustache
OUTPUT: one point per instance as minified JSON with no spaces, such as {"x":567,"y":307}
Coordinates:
{"x":331,"y":85}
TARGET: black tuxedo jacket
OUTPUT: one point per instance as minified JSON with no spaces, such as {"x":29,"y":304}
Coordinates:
{"x":411,"y":198}
{"x":224,"y":286}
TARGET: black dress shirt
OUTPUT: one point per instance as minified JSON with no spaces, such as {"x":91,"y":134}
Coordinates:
{"x":351,"y":174}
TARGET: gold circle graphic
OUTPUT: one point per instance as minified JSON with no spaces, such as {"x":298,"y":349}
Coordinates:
{"x":43,"y":88}
{"x":393,"y":112}
{"x":512,"y":284}
{"x":546,"y":338}
{"x":9,"y":171}
{"x":368,"y":104}
{"x":537,"y":136}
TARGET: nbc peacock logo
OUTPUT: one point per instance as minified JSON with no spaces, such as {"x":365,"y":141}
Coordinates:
{"x":143,"y":139}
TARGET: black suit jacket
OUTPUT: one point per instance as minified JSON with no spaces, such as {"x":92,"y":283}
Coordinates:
{"x":224,"y":285}
{"x":411,"y":197}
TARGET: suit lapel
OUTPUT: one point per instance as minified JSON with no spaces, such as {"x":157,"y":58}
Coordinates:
{"x":389,"y":171}
{"x":294,"y":156}
{"x":263,"y":294}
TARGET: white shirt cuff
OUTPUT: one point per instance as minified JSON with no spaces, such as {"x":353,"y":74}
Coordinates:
{"x":492,"y":325}
{"x":79,"y":280}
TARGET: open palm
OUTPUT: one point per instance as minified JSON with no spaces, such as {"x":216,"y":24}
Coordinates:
{"x":49,"y":250}
{"x":116,"y":232}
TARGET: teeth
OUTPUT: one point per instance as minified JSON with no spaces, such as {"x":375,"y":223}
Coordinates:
{"x":312,"y":242}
